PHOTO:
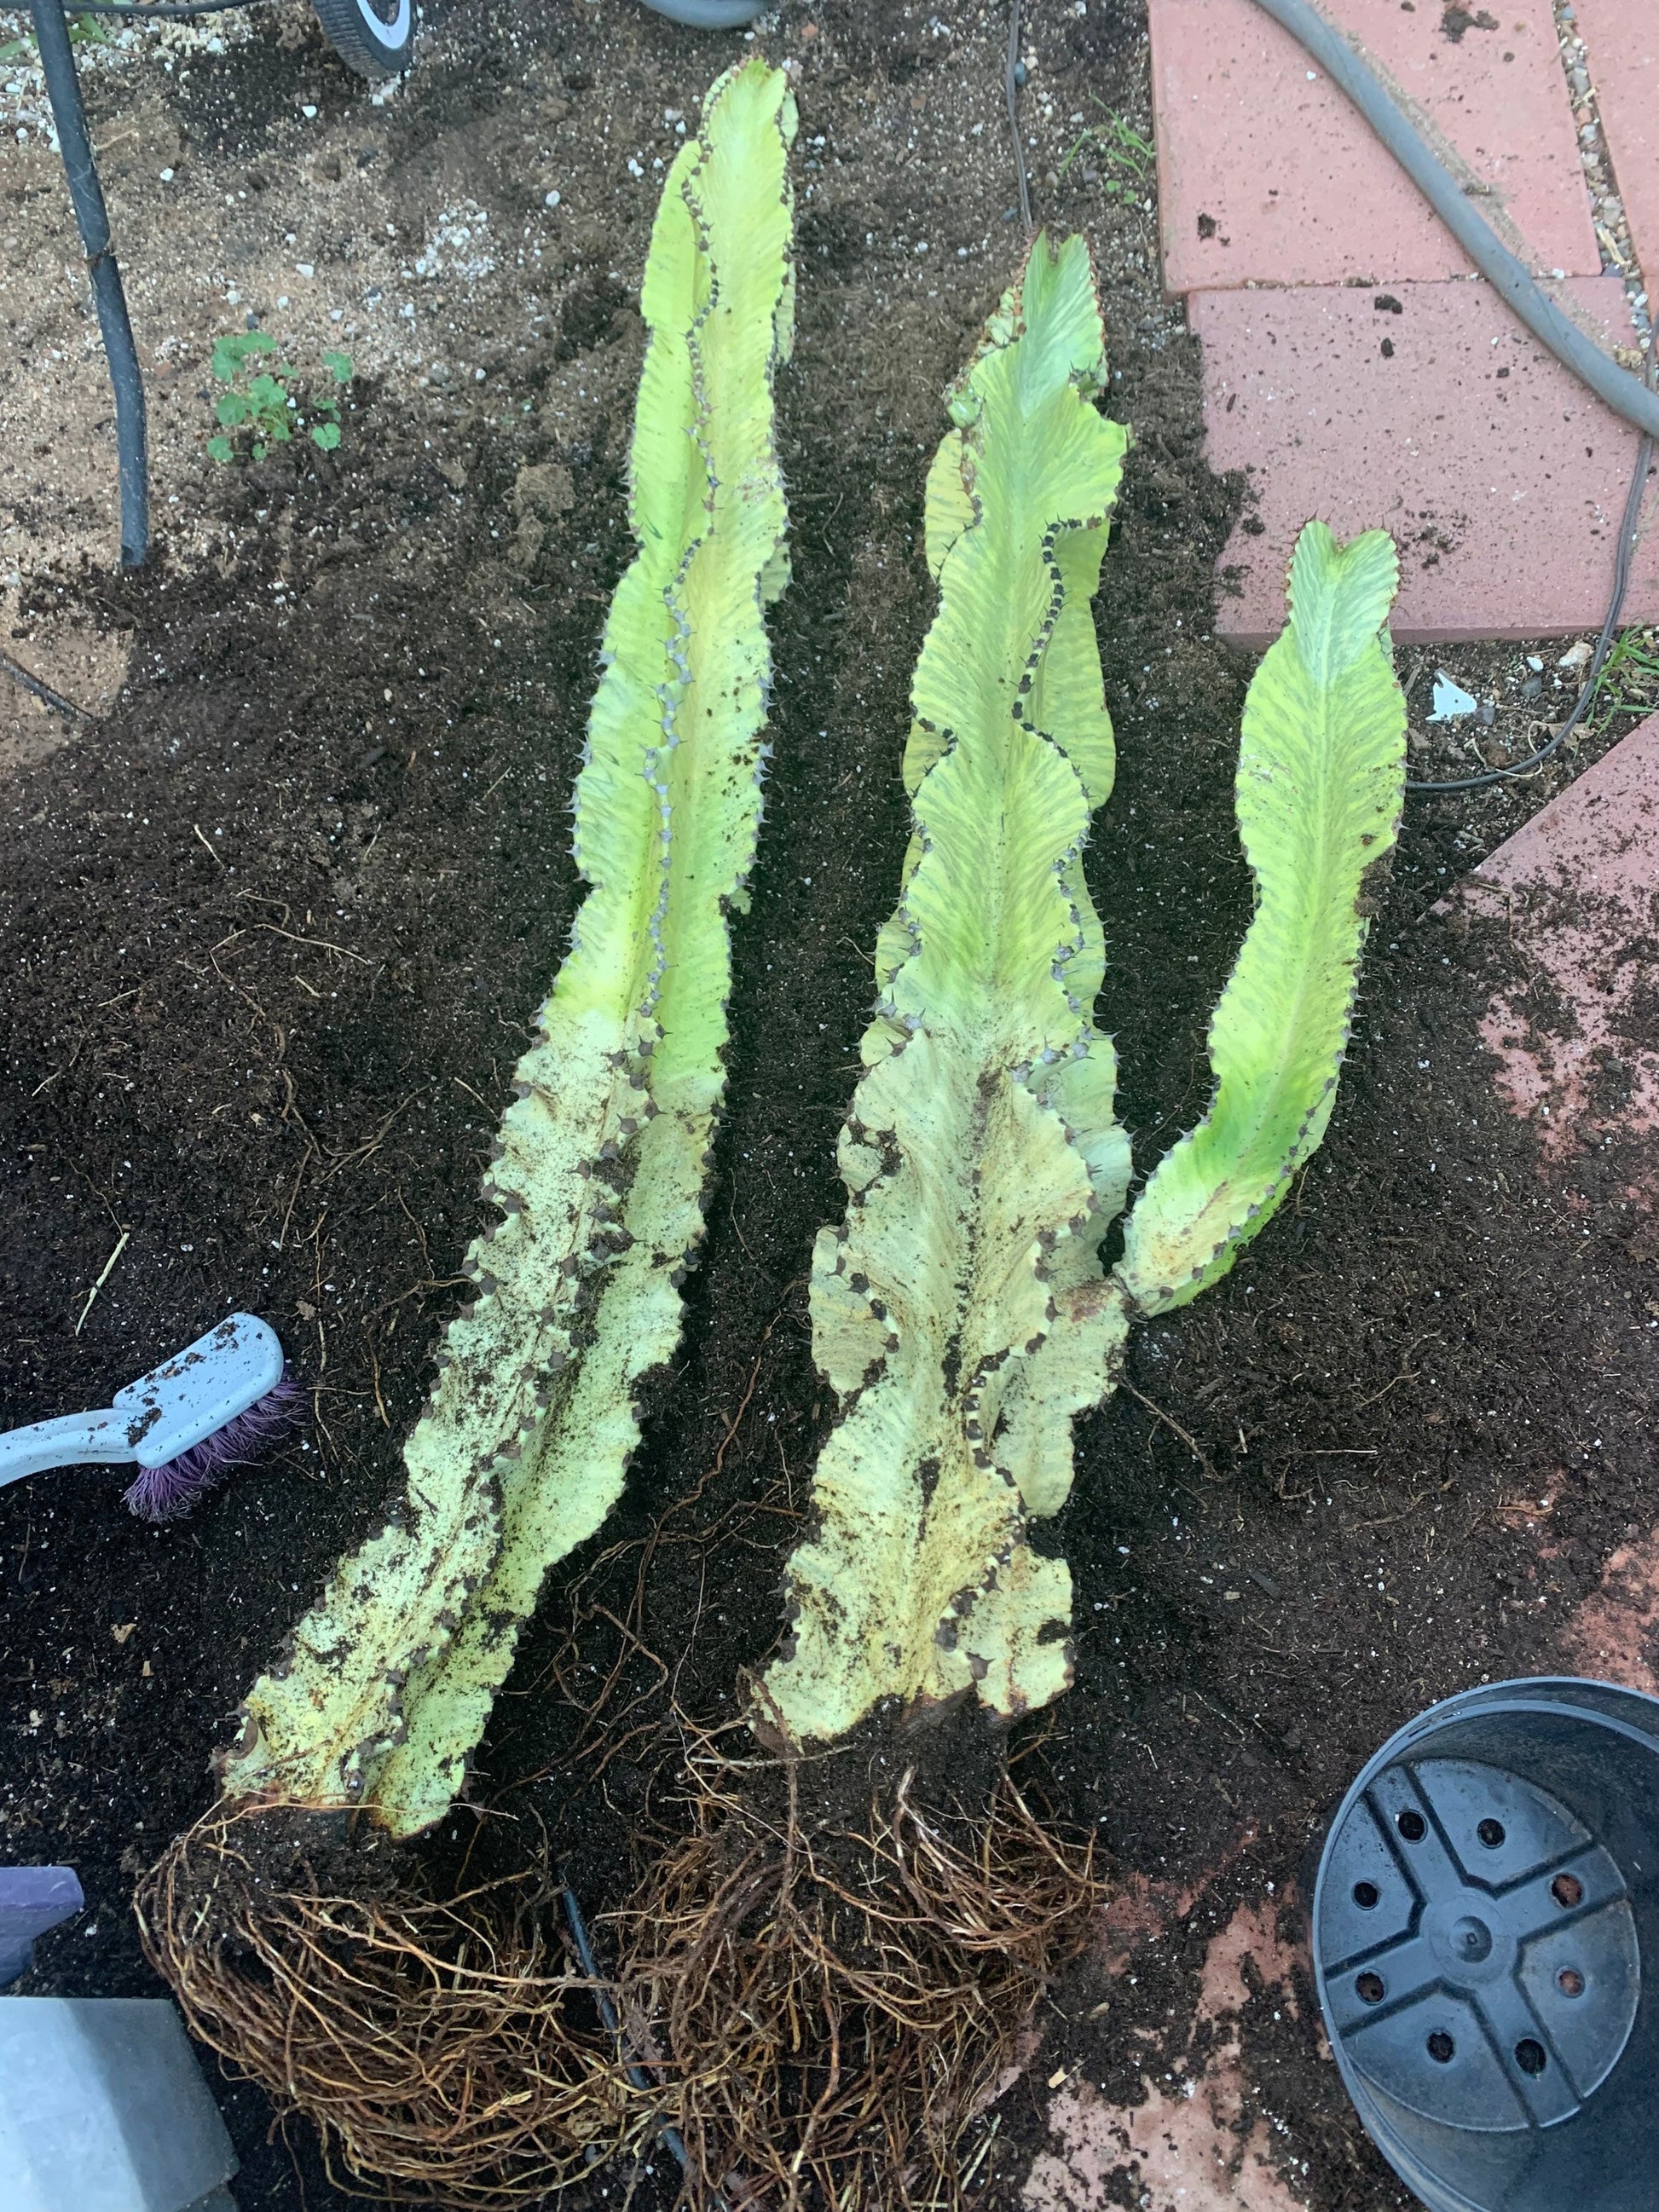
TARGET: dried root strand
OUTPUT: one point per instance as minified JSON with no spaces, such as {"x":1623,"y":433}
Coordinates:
{"x":441,"y":2049}
{"x":822,"y":2014}
{"x":827,"y":2015}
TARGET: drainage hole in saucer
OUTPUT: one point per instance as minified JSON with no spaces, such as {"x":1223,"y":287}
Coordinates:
{"x":1491,"y":1833}
{"x":1440,"y":2047}
{"x":1371,"y":1988}
{"x":1412,"y":1826}
{"x":1567,"y":1891}
{"x":1367,"y":1896}
{"x":1529,"y":2054}
{"x":1569,"y":1981}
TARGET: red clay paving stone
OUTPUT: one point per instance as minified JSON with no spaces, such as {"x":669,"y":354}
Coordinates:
{"x":1428,"y":410}
{"x":1267,"y":176}
{"x":1576,"y":891}
{"x":1578,"y":888}
{"x":1621,"y":38}
{"x":1197,"y":2142}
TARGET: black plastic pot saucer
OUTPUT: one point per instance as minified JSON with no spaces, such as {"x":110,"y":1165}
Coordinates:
{"x":1488,"y":1893}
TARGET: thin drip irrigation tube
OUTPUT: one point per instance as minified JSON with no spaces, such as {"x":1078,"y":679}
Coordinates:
{"x":670,"y":2136}
{"x":44,"y":691}
{"x":92,"y":219}
{"x":69,"y":116}
{"x":1011,"y":83}
{"x":163,"y":12}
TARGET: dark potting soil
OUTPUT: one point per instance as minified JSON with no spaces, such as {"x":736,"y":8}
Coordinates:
{"x":273,"y":931}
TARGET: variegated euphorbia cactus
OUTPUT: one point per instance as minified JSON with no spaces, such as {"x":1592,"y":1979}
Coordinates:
{"x":961,"y":1311}
{"x":602,"y":1160}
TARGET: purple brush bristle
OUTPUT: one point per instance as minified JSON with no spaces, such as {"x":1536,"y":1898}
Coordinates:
{"x":168,"y":1492}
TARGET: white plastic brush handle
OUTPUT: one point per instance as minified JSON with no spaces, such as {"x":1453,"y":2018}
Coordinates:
{"x":181,"y":1403}
{"x":73,"y":1440}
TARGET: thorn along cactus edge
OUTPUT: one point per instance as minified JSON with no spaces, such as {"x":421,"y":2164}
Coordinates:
{"x":823,"y":2008}
{"x":962,"y":1311}
{"x":602,"y":1159}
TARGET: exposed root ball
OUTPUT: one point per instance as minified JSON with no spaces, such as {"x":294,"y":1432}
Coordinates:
{"x":441,"y":2049}
{"x":832,"y":2010}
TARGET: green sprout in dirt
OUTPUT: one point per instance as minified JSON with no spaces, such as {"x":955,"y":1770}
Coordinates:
{"x":263,"y":407}
{"x":1124,"y":157}
{"x":83,"y":30}
{"x":1629,"y":681}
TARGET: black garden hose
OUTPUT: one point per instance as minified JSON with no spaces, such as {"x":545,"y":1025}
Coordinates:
{"x":1631,"y":397}
{"x":1625,"y":393}
{"x":63,"y":87}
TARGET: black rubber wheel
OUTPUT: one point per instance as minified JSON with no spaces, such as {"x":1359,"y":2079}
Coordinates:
{"x":373,"y":37}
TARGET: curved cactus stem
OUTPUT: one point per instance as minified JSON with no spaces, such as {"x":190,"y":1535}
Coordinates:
{"x":961,"y":1310}
{"x":602,"y":1156}
{"x":1320,"y":784}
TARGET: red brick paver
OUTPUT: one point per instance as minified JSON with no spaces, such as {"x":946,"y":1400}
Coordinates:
{"x":1576,"y":895}
{"x":1601,"y":835}
{"x":1577,"y":888}
{"x":1267,"y":176}
{"x":1195,"y":2139}
{"x":1502,"y":479}
{"x":1621,"y":38}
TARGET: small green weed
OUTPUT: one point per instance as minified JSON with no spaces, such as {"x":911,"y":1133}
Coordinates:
{"x":83,"y":30}
{"x":1629,"y":682}
{"x":1125,"y":157}
{"x":261,"y":400}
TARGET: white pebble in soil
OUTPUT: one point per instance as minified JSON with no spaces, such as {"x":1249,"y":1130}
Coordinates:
{"x":457,"y":243}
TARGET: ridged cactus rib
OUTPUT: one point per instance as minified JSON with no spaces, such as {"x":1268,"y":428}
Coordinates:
{"x":961,"y":1310}
{"x":1319,"y":793}
{"x":603,"y":1157}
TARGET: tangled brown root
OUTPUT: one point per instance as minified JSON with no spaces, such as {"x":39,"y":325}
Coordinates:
{"x":821,"y":2011}
{"x":442,"y":2049}
{"x":828,"y":2012}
